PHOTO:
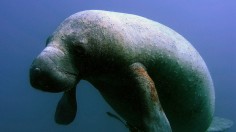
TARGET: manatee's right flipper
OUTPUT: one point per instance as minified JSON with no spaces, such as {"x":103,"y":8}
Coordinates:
{"x":220,"y":125}
{"x":154,"y":118}
{"x":66,"y":108}
{"x":129,"y":126}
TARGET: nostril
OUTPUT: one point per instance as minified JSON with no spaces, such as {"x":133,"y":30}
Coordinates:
{"x":35,"y":76}
{"x":37,"y":70}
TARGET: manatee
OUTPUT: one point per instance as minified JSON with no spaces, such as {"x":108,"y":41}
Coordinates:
{"x":149,"y":74}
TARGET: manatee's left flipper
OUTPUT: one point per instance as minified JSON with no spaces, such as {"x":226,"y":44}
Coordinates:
{"x":66,"y":108}
{"x":154,"y":117}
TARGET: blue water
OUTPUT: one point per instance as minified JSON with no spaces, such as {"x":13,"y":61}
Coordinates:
{"x":25,"y":24}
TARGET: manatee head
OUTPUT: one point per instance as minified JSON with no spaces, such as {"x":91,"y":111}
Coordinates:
{"x":57,"y":67}
{"x":60,"y":66}
{"x":53,"y":70}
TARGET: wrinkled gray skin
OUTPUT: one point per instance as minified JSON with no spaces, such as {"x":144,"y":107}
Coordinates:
{"x":152,"y":77}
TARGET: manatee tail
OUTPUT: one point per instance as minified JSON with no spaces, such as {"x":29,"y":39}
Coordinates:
{"x":220,"y":125}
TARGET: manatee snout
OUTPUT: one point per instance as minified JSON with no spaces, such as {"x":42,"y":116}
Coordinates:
{"x":50,"y":72}
{"x":42,"y":76}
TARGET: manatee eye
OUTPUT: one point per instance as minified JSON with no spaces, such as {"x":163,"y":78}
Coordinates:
{"x":79,"y":49}
{"x":80,"y":46}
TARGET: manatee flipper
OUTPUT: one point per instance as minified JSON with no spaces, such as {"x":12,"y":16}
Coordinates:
{"x":220,"y":125}
{"x":154,"y":117}
{"x":130,"y":127}
{"x":66,"y":108}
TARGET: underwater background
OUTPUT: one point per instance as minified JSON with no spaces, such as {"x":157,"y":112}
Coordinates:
{"x":210,"y":25}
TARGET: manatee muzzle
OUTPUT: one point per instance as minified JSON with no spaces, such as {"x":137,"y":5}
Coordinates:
{"x":52,"y":72}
